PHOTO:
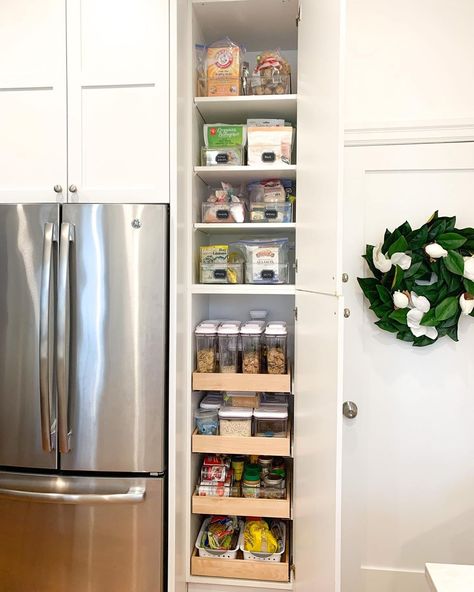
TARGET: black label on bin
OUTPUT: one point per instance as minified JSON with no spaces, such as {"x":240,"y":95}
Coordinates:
{"x":271,"y":214}
{"x":222,"y":214}
{"x":220,"y":274}
{"x":268,"y":157}
{"x":222,"y":158}
{"x":268,"y":274}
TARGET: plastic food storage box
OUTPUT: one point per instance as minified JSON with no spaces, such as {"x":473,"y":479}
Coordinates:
{"x":235,"y":421}
{"x":276,"y":557}
{"x":223,"y":213}
{"x":207,"y":421}
{"x":273,"y":399}
{"x":228,"y":333}
{"x":221,"y":273}
{"x":281,"y":213}
{"x":212,"y":401}
{"x":276,"y":84}
{"x":276,"y":336}
{"x":206,"y":346}
{"x":251,"y":334}
{"x":241,"y":399}
{"x":229,"y":155}
{"x":229,"y":554}
{"x":271,"y":422}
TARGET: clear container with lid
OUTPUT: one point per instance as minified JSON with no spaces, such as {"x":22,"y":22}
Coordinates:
{"x":228,"y":333}
{"x":272,"y":399}
{"x":207,"y":421}
{"x":276,"y":337}
{"x":271,"y":422}
{"x":206,"y":346}
{"x":252,"y":346}
{"x":212,"y":401}
{"x":241,"y":399}
{"x":235,"y":421}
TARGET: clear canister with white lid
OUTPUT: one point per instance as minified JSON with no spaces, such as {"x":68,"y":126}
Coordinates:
{"x":212,"y":401}
{"x":206,"y":346}
{"x":228,"y":333}
{"x":271,"y":422}
{"x":235,"y":421}
{"x":252,"y":346}
{"x":276,"y":338}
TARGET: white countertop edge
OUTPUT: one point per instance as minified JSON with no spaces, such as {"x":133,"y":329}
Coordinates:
{"x":446,"y":577}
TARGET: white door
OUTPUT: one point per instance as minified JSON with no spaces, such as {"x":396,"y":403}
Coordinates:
{"x":32,"y":100}
{"x":408,"y":484}
{"x":317,"y":442}
{"x":320,"y":144}
{"x":118,"y":103}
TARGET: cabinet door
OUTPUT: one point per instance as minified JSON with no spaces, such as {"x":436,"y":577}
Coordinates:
{"x":317,"y":442}
{"x":32,"y":100}
{"x":320,"y":145}
{"x":118,"y":119}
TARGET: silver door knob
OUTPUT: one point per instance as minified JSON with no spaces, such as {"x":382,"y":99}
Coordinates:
{"x":349,"y":409}
{"x":58,"y":188}
{"x":72,"y":188}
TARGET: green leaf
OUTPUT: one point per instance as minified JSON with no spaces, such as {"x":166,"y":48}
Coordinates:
{"x":399,"y":246}
{"x":418,"y":238}
{"x":369,"y":287}
{"x":384,"y":295}
{"x":447,"y":308}
{"x":454,"y":262}
{"x":406,"y":336}
{"x":469,"y":286}
{"x":400,"y":315}
{"x":433,"y":217}
{"x":437,"y":228}
{"x":429,"y":319}
{"x":389,"y":239}
{"x":451,"y":240}
{"x":404,"y":229}
{"x":387,"y":326}
{"x":423,"y":341}
{"x":380,"y":311}
{"x":413,"y":269}
{"x":397,"y":278}
{"x":450,"y":322}
{"x":453,"y":332}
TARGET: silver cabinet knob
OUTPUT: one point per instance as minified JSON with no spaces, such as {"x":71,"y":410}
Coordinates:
{"x":58,"y":189}
{"x":72,"y":188}
{"x":349,"y":409}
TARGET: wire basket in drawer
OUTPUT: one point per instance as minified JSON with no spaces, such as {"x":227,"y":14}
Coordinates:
{"x":275,"y":557}
{"x":214,"y":553}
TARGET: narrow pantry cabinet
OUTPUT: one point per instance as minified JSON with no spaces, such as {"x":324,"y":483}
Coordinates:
{"x":310,"y":36}
{"x":84,"y":101}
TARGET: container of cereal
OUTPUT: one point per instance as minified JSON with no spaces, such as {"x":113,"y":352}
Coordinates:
{"x":271,"y":422}
{"x":252,"y":346}
{"x":241,"y":399}
{"x":228,"y":333}
{"x":276,"y":336}
{"x":207,"y":421}
{"x":206,"y":346}
{"x":235,"y":421}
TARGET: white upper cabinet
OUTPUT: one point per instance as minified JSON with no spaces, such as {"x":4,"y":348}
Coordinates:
{"x":118,"y":100}
{"x":32,"y":100}
{"x":320,"y":145}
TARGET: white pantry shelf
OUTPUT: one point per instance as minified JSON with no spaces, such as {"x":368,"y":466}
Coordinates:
{"x":239,"y":109}
{"x":245,"y":228}
{"x":212,"y":174}
{"x":275,"y":290}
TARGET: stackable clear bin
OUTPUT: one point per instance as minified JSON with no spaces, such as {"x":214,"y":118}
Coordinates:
{"x":252,"y":346}
{"x":235,"y":421}
{"x":221,"y":273}
{"x":206,"y":346}
{"x":281,"y":213}
{"x":276,"y":336}
{"x":228,"y":333}
{"x":225,"y":156}
{"x":223,"y":213}
{"x":276,"y":84}
{"x":271,"y":422}
{"x":273,"y":274}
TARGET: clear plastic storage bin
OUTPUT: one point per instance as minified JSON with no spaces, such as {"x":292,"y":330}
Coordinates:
{"x":221,"y":273}
{"x":223,"y":213}
{"x":275,"y":84}
{"x":252,"y":347}
{"x":271,"y":422}
{"x":212,"y":401}
{"x":228,"y":333}
{"x":229,"y":155}
{"x":206,"y":346}
{"x":276,"y":336}
{"x":280,"y":213}
{"x":241,"y":399}
{"x":235,"y":421}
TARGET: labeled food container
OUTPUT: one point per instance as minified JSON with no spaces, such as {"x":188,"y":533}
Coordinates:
{"x":252,"y":346}
{"x":275,"y":84}
{"x":266,"y":261}
{"x":251,"y":485}
{"x":225,"y":156}
{"x":271,"y":422}
{"x":269,"y":145}
{"x":235,"y":421}
{"x":223,"y":213}
{"x":204,"y":550}
{"x":206,"y":346}
{"x":212,"y":401}
{"x":281,"y":213}
{"x":276,"y":336}
{"x":241,"y":399}
{"x":221,"y":273}
{"x":207,"y":421}
{"x":228,"y":333}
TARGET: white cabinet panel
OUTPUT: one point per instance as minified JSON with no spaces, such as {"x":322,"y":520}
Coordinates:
{"x":32,"y":100}
{"x":118,"y":100}
{"x":317,"y":442}
{"x":319,"y":145}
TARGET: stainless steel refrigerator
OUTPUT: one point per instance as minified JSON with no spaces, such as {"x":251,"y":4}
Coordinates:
{"x":83,"y":378}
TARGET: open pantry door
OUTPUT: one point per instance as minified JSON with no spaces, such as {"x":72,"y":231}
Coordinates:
{"x":317,"y":443}
{"x":320,"y":145}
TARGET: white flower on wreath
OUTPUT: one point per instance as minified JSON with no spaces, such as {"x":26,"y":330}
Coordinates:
{"x":384,"y":264}
{"x":435,"y":251}
{"x":421,"y":306}
{"x":400,"y":299}
{"x":466,"y":302}
{"x":469,"y":268}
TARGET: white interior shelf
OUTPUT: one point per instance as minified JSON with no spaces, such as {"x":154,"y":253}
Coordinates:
{"x":282,"y":289}
{"x":245,"y":228}
{"x":212,"y":174}
{"x":239,"y":109}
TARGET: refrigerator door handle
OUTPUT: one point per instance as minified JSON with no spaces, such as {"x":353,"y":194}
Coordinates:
{"x":134,"y":495}
{"x":47,"y":425}
{"x":62,"y":363}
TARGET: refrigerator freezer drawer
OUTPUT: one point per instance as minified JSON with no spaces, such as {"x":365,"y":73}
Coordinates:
{"x":80,"y":533}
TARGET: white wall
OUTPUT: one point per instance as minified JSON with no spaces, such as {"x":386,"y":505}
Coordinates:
{"x":409,"y":60}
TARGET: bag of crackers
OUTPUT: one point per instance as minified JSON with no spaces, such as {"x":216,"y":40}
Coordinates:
{"x":219,"y":67}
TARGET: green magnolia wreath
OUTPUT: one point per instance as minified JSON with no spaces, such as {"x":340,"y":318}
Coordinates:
{"x":423,"y":280}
